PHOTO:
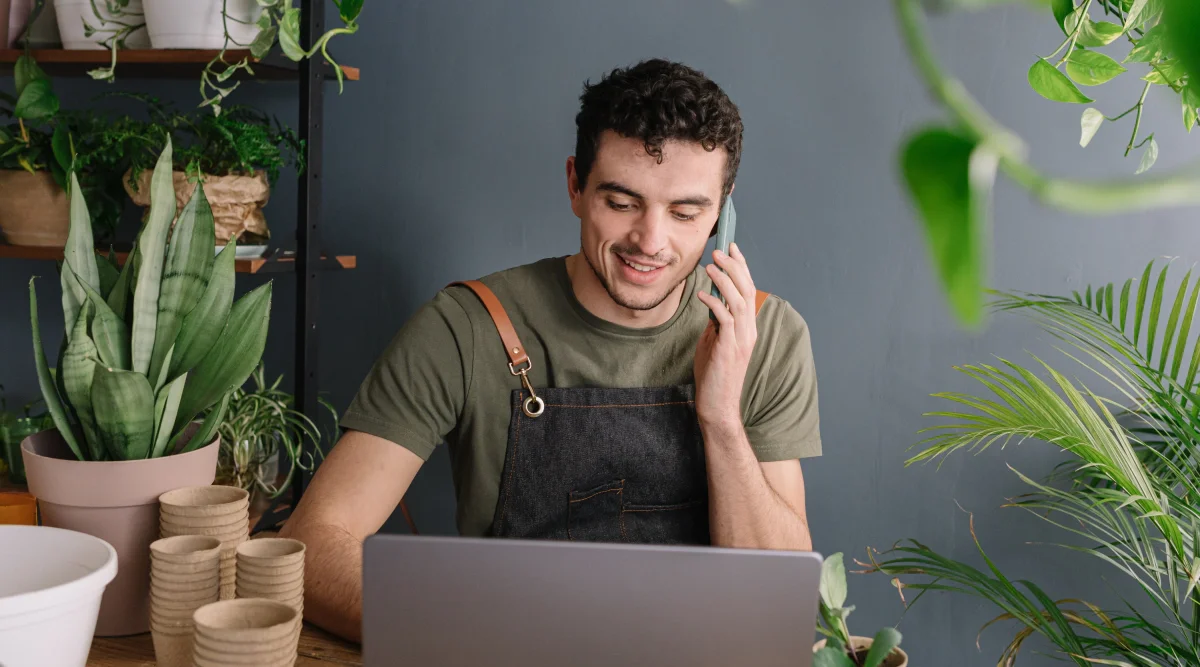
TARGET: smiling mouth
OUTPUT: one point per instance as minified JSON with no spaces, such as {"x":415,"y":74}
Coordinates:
{"x":638,"y":266}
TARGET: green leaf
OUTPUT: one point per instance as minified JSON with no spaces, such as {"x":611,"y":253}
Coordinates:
{"x":886,"y":640}
{"x":1062,"y":9}
{"x":79,"y":257}
{"x":77,"y":365}
{"x":202,"y":326}
{"x":234,"y":356}
{"x":1149,"y":157}
{"x":38,"y":102}
{"x":1182,"y":18}
{"x":166,"y":407}
{"x":46,"y":380}
{"x":1168,"y":73}
{"x":151,"y":247}
{"x":124,"y":406}
{"x":1090,"y":68}
{"x":1099,"y":33}
{"x":109,"y":275}
{"x":950,"y":184}
{"x":109,"y":333}
{"x":208,"y":428}
{"x":1149,"y":47}
{"x":348,"y":10}
{"x":118,"y":298}
{"x":1189,"y":116}
{"x":1091,"y":122}
{"x":60,"y":143}
{"x":185,"y":274}
{"x":263,"y":41}
{"x":25,"y":72}
{"x":1053,"y":84}
{"x":831,"y":657}
{"x":289,"y":34}
{"x":833,"y":581}
{"x":1133,"y":17}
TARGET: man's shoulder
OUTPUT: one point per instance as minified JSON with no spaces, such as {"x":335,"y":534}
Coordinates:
{"x":516,"y":288}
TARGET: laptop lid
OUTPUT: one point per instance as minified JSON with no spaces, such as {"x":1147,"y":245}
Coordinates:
{"x":468,"y":602}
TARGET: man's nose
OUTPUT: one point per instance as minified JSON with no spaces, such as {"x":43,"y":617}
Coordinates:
{"x":649,"y":233}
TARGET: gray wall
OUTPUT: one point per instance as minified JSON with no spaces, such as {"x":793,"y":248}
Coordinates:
{"x":446,"y":163}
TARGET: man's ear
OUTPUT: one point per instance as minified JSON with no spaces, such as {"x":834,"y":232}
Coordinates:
{"x":573,"y":186}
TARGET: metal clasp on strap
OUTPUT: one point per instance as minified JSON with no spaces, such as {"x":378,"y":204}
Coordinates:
{"x":534,"y":399}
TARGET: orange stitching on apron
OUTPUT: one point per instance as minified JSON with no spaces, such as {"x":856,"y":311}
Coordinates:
{"x":516,"y":439}
{"x":579,"y":500}
{"x":630,"y":405}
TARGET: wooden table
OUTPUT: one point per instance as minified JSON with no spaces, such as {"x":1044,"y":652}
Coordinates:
{"x":317,"y":649}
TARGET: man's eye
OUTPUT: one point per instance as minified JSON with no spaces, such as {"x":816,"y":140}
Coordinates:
{"x":684,"y":217}
{"x":618,"y":207}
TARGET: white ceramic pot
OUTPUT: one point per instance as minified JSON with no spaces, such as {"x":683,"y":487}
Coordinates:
{"x":73,"y":13}
{"x":198,"y":24}
{"x":50,"y":594}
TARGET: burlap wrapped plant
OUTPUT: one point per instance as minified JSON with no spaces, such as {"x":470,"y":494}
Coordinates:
{"x":237,"y":202}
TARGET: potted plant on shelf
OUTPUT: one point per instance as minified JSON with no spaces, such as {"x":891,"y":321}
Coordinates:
{"x":147,"y":349}
{"x":840,"y":648}
{"x":237,"y":155}
{"x":258,"y":426}
{"x":33,"y":206}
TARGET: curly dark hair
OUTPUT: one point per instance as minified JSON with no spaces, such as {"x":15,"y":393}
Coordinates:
{"x":656,"y":101}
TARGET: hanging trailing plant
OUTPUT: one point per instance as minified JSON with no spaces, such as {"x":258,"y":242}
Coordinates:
{"x":279,"y":23}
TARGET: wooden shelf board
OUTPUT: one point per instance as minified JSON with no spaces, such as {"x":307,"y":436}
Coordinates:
{"x":261,"y":265}
{"x":158,"y":63}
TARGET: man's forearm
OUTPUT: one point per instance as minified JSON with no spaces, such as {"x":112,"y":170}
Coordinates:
{"x":744,"y":511}
{"x":332,"y":578}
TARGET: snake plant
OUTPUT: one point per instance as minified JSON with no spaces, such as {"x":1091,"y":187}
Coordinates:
{"x":154,"y":344}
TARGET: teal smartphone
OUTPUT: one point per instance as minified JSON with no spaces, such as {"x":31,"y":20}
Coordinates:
{"x":726,"y":225}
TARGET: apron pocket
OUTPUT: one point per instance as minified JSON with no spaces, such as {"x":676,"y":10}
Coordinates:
{"x":595,"y":515}
{"x":680,"y":523}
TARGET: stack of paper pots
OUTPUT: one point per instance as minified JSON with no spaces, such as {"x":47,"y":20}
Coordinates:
{"x":184,"y":576}
{"x":258,"y":632}
{"x":272,"y":568}
{"x":222,"y":512}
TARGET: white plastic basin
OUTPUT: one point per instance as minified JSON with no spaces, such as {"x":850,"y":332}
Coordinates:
{"x":51,"y":581}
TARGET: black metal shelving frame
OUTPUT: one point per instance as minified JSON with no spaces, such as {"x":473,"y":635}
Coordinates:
{"x":309,"y":262}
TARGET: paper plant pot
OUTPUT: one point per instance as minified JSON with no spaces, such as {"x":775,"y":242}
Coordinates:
{"x":224,"y":522}
{"x":204,"y":501}
{"x":262,"y":570}
{"x":272,"y":552}
{"x":172,"y":649}
{"x":236,"y":200}
{"x":116,"y":501}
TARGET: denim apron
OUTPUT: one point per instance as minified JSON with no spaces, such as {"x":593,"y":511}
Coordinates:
{"x":599,"y":464}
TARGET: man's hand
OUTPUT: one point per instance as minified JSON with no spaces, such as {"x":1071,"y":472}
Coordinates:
{"x":723,"y":353}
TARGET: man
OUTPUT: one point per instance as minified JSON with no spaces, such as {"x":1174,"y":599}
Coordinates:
{"x":590,"y":397}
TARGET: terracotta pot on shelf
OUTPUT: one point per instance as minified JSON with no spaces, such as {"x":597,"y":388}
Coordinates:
{"x":116,"y":501}
{"x":897,"y":658}
{"x":34,"y":211}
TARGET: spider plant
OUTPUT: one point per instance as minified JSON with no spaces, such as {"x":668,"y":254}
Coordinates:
{"x":1129,"y":488}
{"x":258,"y":425}
{"x":149,"y":346}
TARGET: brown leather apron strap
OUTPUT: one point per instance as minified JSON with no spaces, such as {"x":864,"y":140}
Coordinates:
{"x":512,"y":344}
{"x":759,"y":299}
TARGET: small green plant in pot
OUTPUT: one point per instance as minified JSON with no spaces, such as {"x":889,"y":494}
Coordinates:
{"x":148,"y":348}
{"x":259,"y":427}
{"x":840,"y":648}
{"x":14,"y":428}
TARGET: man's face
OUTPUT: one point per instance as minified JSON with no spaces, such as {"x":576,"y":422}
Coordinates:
{"x":645,"y":225}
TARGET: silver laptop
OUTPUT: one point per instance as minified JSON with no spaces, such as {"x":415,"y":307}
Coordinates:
{"x":468,"y":602}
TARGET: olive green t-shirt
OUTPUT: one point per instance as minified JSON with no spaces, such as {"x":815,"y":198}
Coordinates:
{"x":444,"y":377}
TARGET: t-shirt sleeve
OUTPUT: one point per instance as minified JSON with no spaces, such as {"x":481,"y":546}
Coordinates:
{"x":780,"y":402}
{"x":414,"y":393}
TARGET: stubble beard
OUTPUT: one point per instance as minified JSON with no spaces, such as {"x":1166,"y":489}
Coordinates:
{"x":625,"y":303}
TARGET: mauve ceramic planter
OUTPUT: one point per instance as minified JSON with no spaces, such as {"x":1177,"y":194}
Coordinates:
{"x":116,"y":501}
